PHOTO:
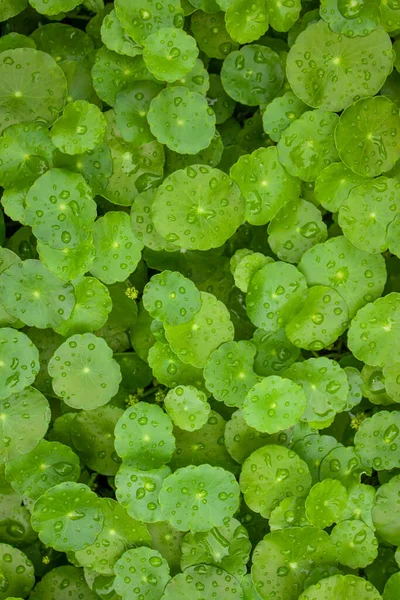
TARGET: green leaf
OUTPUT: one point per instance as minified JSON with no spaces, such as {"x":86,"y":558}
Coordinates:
{"x":376,"y":440}
{"x":118,"y":251}
{"x":17,"y":572}
{"x":307,"y":146}
{"x":114,"y":36}
{"x":172,"y":298}
{"x":323,"y":317}
{"x":206,"y":496}
{"x":92,"y":437}
{"x":138,"y":490}
{"x":283,"y":560}
{"x":334,"y":184}
{"x":170,"y":53}
{"x":344,"y":587}
{"x":385,"y":513}
{"x":141,"y":569}
{"x":374,"y":330}
{"x":227,"y":547}
{"x":270,"y":474}
{"x":265,"y":184}
{"x":131,"y":107}
{"x":63,"y":583}
{"x":351,"y":18}
{"x":329,"y":71}
{"x":194,"y":341}
{"x":200,"y":582}
{"x":68,"y":516}
{"x":252,"y":75}
{"x":60,"y":209}
{"x":181,"y":119}
{"x":143,"y":434}
{"x":187,"y":407}
{"x":120,"y":532}
{"x":84,"y":373}
{"x":49,"y":464}
{"x":30,"y":292}
{"x":355,"y":542}
{"x":246,"y":22}
{"x":19,"y":362}
{"x":325,"y":503}
{"x":326,"y":387}
{"x":147,"y":16}
{"x":211,"y":34}
{"x":32,"y":87}
{"x":80,"y":128}
{"x":366,"y":136}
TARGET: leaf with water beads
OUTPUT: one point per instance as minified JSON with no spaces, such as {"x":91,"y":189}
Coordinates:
{"x":63,"y":583}
{"x":68,"y":516}
{"x":323,"y":317}
{"x":202,"y":581}
{"x":308,"y":145}
{"x":368,"y":211}
{"x":386,"y":511}
{"x":252,"y":75}
{"x":391,"y":591}
{"x":212,"y":37}
{"x":343,"y":463}
{"x":80,"y":128}
{"x":290,"y":512}
{"x":92,"y":436}
{"x":118,"y":251}
{"x":138,"y":490}
{"x":172,"y":298}
{"x":296,"y":228}
{"x":351,"y":18}
{"x":198,"y":208}
{"x":229,"y":372}
{"x":169,"y":370}
{"x":53,"y":7}
{"x":194,"y":341}
{"x":112,"y":72}
{"x":24,"y":420}
{"x":246,"y":22}
{"x":143,"y":435}
{"x":19,"y":361}
{"x":181,"y":119}
{"x":135,"y":169}
{"x":325,"y":384}
{"x":312,"y":449}
{"x":274,"y":404}
{"x":46,"y":465}
{"x":325,"y":503}
{"x":206,"y":497}
{"x":114,"y":36}
{"x":276,"y":292}
{"x":227,"y":547}
{"x":60,"y":209}
{"x":32,"y":87}
{"x":142,"y":222}
{"x":92,"y":306}
{"x":355,"y":542}
{"x":334,"y":184}
{"x":131,"y":107}
{"x":94,"y":165}
{"x":280,"y":113}
{"x":147,"y":16}
{"x":143,"y":571}
{"x":69,"y":263}
{"x":170,"y":53}
{"x":360,"y":501}
{"x":265,"y":184}
{"x":270,"y":474}
{"x":329,"y":71}
{"x":367,"y":136}
{"x":26,"y":151}
{"x":376,"y":440}
{"x":222,"y":104}
{"x":187,"y":407}
{"x":345,"y":587}
{"x":275,"y":352}
{"x":84,"y":373}
{"x":11,"y":8}
{"x":120,"y":532}
{"x":30,"y":292}
{"x":283,"y":560}
{"x":17,"y":572}
{"x":246,"y":267}
{"x":374,"y":332}
{"x":358,"y":276}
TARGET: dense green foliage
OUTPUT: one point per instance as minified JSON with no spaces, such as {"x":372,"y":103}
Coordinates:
{"x":200,"y":300}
